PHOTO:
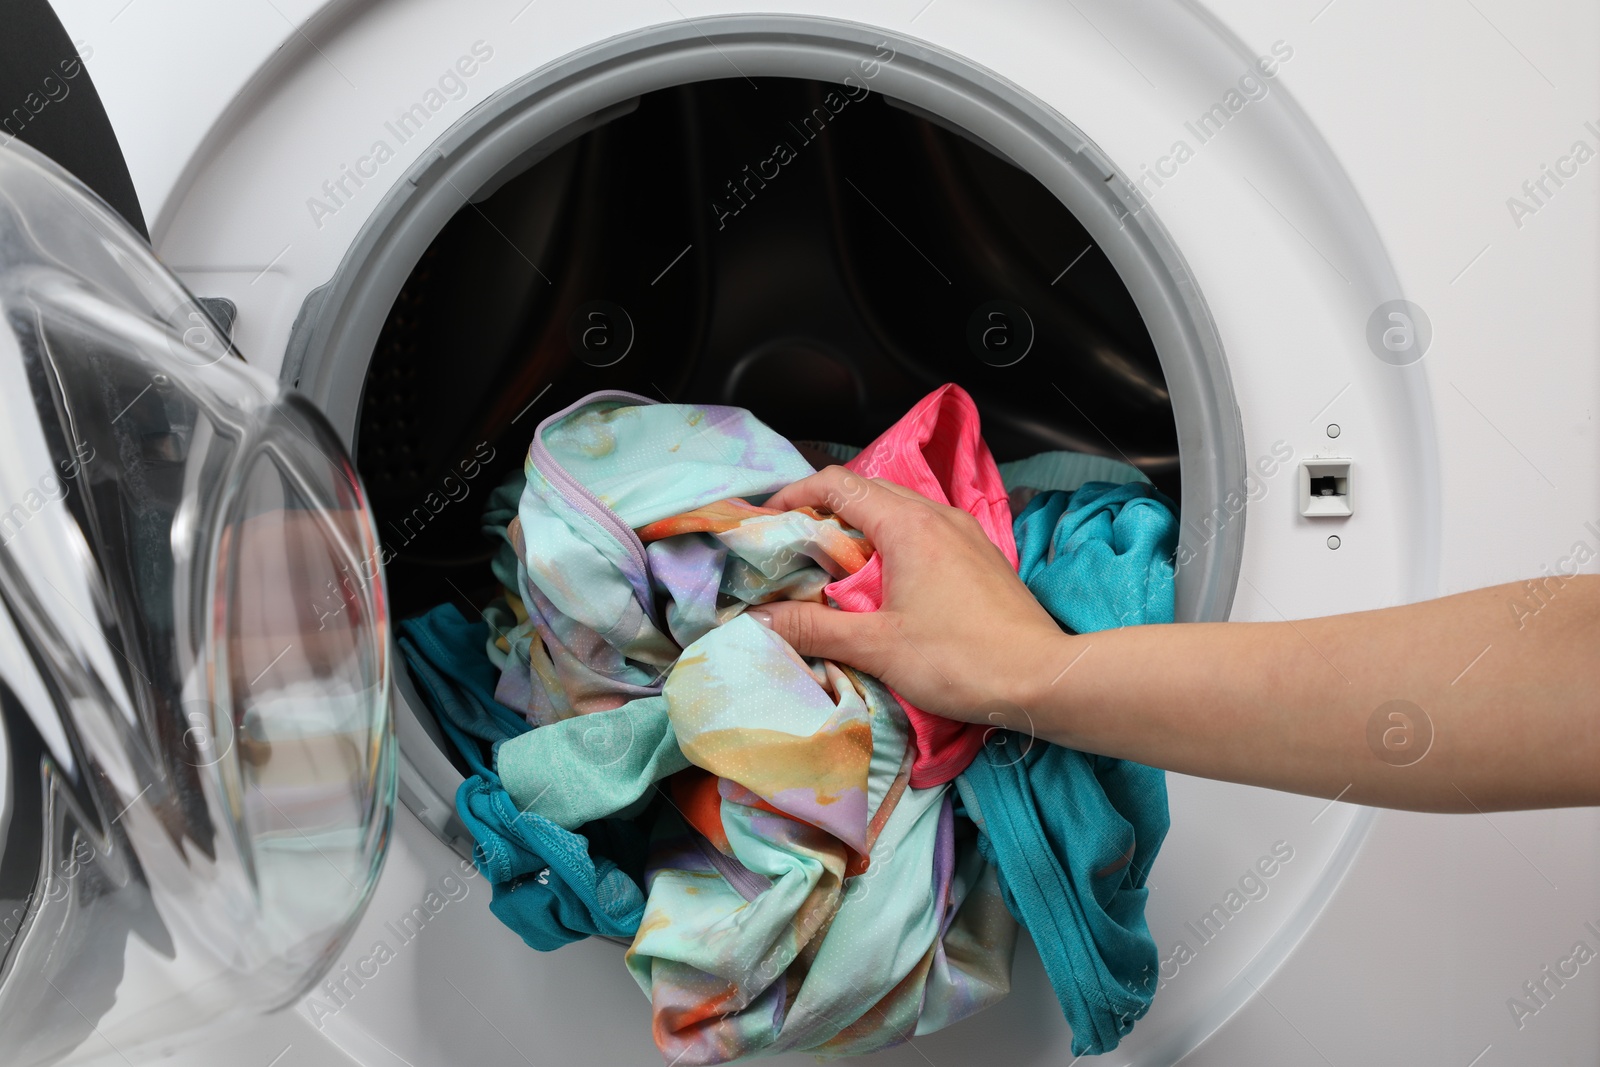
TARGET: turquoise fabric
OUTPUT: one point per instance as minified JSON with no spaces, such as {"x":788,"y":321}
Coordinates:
{"x":1074,"y":834}
{"x":442,"y":653}
{"x":1101,"y":556}
{"x":763,"y":921}
{"x":592,"y":766}
{"x":552,"y":884}
{"x":547,"y":884}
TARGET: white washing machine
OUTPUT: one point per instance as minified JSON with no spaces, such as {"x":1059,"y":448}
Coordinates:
{"x":1361,"y":242}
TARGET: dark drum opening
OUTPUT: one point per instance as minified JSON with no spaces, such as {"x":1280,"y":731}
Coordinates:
{"x":821,"y":258}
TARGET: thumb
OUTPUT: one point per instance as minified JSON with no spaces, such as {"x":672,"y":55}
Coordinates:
{"x":814,"y":630}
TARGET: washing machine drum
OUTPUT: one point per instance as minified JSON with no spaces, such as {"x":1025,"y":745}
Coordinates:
{"x":672,"y":251}
{"x":196,"y":770}
{"x":789,"y":292}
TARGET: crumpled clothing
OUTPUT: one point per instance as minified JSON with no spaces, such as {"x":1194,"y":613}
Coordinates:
{"x":553,"y":881}
{"x":595,"y":766}
{"x":548,"y":884}
{"x":1060,"y":839}
{"x":801,"y":893}
{"x":815,"y":870}
{"x":595,"y":472}
{"x":936,"y":449}
{"x":1074,"y":834}
{"x":441,"y":650}
{"x":1101,"y":556}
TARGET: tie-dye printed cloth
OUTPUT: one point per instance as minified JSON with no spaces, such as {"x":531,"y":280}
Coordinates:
{"x":800,"y":894}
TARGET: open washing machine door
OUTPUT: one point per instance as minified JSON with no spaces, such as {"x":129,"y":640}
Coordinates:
{"x":196,"y":757}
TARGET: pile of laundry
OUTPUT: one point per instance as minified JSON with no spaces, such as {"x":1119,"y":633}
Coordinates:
{"x":799,"y":858}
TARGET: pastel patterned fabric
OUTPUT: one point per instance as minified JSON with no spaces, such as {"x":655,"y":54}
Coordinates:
{"x":811,"y":909}
{"x":595,"y":473}
{"x":936,"y":449}
{"x":801,"y":891}
{"x":752,"y":820}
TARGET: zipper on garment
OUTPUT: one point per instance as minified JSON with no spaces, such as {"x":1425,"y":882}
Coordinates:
{"x":546,"y":463}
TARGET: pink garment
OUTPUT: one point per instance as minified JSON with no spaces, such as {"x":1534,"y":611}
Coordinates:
{"x":937,"y":450}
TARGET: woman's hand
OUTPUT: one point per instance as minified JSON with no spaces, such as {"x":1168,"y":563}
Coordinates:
{"x":958,"y":633}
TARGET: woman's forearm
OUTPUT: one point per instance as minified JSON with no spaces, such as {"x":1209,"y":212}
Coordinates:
{"x":1459,"y":704}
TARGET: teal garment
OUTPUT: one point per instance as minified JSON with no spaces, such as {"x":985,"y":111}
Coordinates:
{"x":1059,"y":839}
{"x":1074,"y":834}
{"x":1101,"y":556}
{"x":443,"y":651}
{"x":548,"y":885}
{"x":552,"y":884}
